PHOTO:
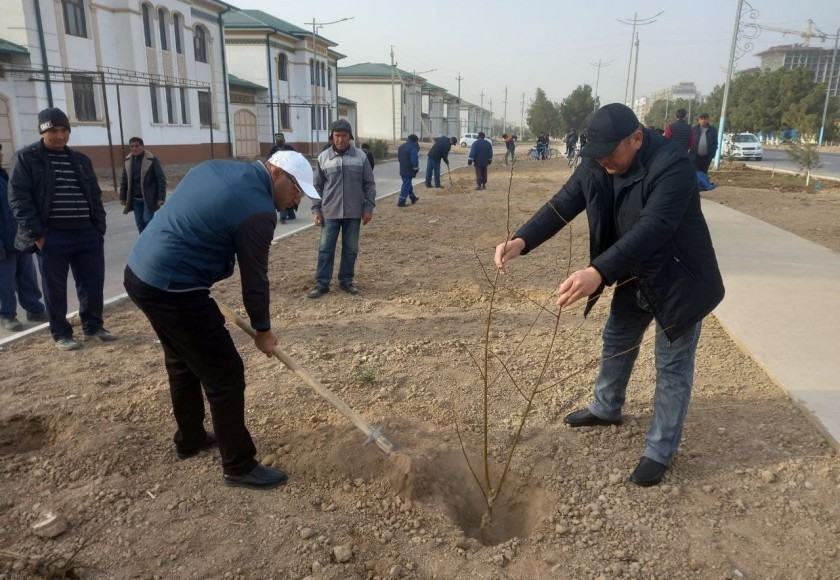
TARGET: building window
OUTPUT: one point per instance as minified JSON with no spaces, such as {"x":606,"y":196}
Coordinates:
{"x":184,"y":118}
{"x":153,"y":93}
{"x":329,"y":78}
{"x":285,"y":116}
{"x":74,"y":17}
{"x":170,"y":105}
{"x":283,"y":67}
{"x":324,"y":117}
{"x":311,"y":72}
{"x":147,"y":25}
{"x":163,"y":24}
{"x":178,"y":30}
{"x":200,"y":41}
{"x":323,"y":75}
{"x":204,"y":109}
{"x":83,"y":99}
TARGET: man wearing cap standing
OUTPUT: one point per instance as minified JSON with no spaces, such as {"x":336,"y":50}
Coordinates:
{"x":705,"y":143}
{"x":344,"y":179}
{"x":221,"y":213}
{"x":57,"y":203}
{"x":648,"y":237}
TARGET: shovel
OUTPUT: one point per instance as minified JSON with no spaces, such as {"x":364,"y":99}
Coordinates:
{"x":449,"y":173}
{"x":401,"y":460}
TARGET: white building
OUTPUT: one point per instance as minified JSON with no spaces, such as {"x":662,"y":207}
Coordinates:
{"x":118,"y":68}
{"x":302,"y":96}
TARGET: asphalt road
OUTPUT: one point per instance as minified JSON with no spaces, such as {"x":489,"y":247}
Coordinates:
{"x":122,"y":233}
{"x":779,"y":159}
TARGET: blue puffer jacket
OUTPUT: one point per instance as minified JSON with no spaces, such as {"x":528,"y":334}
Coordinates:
{"x":481,"y":152}
{"x":407,"y":154}
{"x":32,"y":187}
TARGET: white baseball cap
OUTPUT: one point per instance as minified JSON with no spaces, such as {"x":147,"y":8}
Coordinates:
{"x":298,"y":167}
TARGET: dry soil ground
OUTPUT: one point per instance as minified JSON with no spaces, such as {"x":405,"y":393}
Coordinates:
{"x":754,"y":491}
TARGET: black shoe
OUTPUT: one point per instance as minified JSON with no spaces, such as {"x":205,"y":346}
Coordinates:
{"x":438,"y":187}
{"x":648,"y":472}
{"x":261,"y":477}
{"x":37,"y":316}
{"x":349,"y":288}
{"x":282,"y":220}
{"x":401,"y":204}
{"x":415,"y":199}
{"x":584,"y":418}
{"x":11,"y":324}
{"x":209,"y":441}
{"x":478,"y":187}
{"x":318,"y":291}
{"x":428,"y":185}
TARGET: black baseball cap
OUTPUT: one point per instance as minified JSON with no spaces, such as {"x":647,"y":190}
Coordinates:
{"x":610,"y":124}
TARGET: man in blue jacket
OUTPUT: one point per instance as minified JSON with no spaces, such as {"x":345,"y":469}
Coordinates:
{"x":481,"y":155}
{"x":221,"y":212}
{"x":648,"y":237}
{"x":17,"y":271}
{"x":439,"y":152}
{"x":409,"y":159}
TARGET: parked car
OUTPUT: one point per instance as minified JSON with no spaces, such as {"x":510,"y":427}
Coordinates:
{"x":742,"y":146}
{"x":469,"y":138}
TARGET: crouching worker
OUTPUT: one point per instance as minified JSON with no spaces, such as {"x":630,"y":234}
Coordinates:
{"x":222,"y":211}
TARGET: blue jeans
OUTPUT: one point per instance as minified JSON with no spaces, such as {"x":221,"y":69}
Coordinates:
{"x":432,"y":168}
{"x":17,"y":276}
{"x":142,"y":215}
{"x":82,"y":252}
{"x":350,"y":229}
{"x":406,"y":191}
{"x":674,"y":372}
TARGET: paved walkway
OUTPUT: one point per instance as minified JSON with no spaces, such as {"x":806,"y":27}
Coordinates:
{"x":782,"y":306}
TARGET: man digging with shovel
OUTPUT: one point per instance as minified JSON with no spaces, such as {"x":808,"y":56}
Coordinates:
{"x":222,"y":211}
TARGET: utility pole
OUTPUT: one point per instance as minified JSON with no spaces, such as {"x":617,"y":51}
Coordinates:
{"x":491,"y":118}
{"x":635,"y":22}
{"x":522,"y":117}
{"x":480,"y":112}
{"x":597,"y":79}
{"x":315,"y":78}
{"x":393,"y":98}
{"x":828,"y":88}
{"x":732,"y":48}
{"x":459,"y":78}
{"x":504,"y":113}
{"x":635,"y":70}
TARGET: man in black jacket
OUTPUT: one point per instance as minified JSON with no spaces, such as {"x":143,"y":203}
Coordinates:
{"x":57,"y":203}
{"x":705,"y":143}
{"x":439,"y":152}
{"x":143,"y":184}
{"x":680,"y":132}
{"x":648,"y":236}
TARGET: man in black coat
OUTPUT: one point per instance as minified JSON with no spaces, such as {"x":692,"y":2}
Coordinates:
{"x":143,"y":184}
{"x":648,"y":237}
{"x":680,"y":132}
{"x":439,"y":152}
{"x":705,"y":143}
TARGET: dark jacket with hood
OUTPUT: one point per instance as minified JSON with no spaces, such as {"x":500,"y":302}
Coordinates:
{"x":659,"y":235}
{"x":440,"y":150}
{"x":31,"y":192}
{"x":408,"y":157}
{"x":152,"y":182}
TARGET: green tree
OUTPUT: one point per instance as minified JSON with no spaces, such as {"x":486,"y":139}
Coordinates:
{"x":577,"y":109}
{"x":662,"y":113}
{"x":543,"y":115}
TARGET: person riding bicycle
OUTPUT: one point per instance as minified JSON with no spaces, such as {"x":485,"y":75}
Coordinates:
{"x":571,"y":141}
{"x":542,"y":145}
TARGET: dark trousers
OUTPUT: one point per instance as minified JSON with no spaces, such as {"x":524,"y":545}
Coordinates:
{"x":81,"y":252}
{"x":702,"y":162}
{"x":198,"y":351}
{"x":480,"y":175}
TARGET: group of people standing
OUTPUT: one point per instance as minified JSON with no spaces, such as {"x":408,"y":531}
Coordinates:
{"x":648,"y":240}
{"x":700,"y":141}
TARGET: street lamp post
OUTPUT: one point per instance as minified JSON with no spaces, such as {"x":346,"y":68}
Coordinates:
{"x":313,"y":77}
{"x":828,"y":87}
{"x":635,"y":22}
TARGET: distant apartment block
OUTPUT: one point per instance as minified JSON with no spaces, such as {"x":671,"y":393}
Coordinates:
{"x":815,"y":59}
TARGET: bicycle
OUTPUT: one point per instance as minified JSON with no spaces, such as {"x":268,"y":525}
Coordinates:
{"x":574,"y":158}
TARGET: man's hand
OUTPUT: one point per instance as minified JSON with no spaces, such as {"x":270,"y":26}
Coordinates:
{"x":508,"y":251}
{"x":160,"y":203}
{"x":489,"y":161}
{"x":578,"y":285}
{"x":469,"y":161}
{"x":265,"y":341}
{"x":366,"y":217}
{"x":318,"y":219}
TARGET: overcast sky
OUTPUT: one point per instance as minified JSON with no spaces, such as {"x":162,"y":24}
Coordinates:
{"x":551,"y":44}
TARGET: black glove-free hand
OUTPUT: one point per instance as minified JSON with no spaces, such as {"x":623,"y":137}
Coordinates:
{"x":489,"y":162}
{"x":469,"y":161}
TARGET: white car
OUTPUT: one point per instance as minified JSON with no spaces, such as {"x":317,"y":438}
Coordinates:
{"x":742,"y":146}
{"x":469,"y":138}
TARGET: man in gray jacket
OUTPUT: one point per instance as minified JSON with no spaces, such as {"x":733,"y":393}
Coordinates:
{"x":344,"y":180}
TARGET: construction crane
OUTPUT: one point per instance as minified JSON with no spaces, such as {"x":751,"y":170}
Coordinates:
{"x":812,"y":32}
